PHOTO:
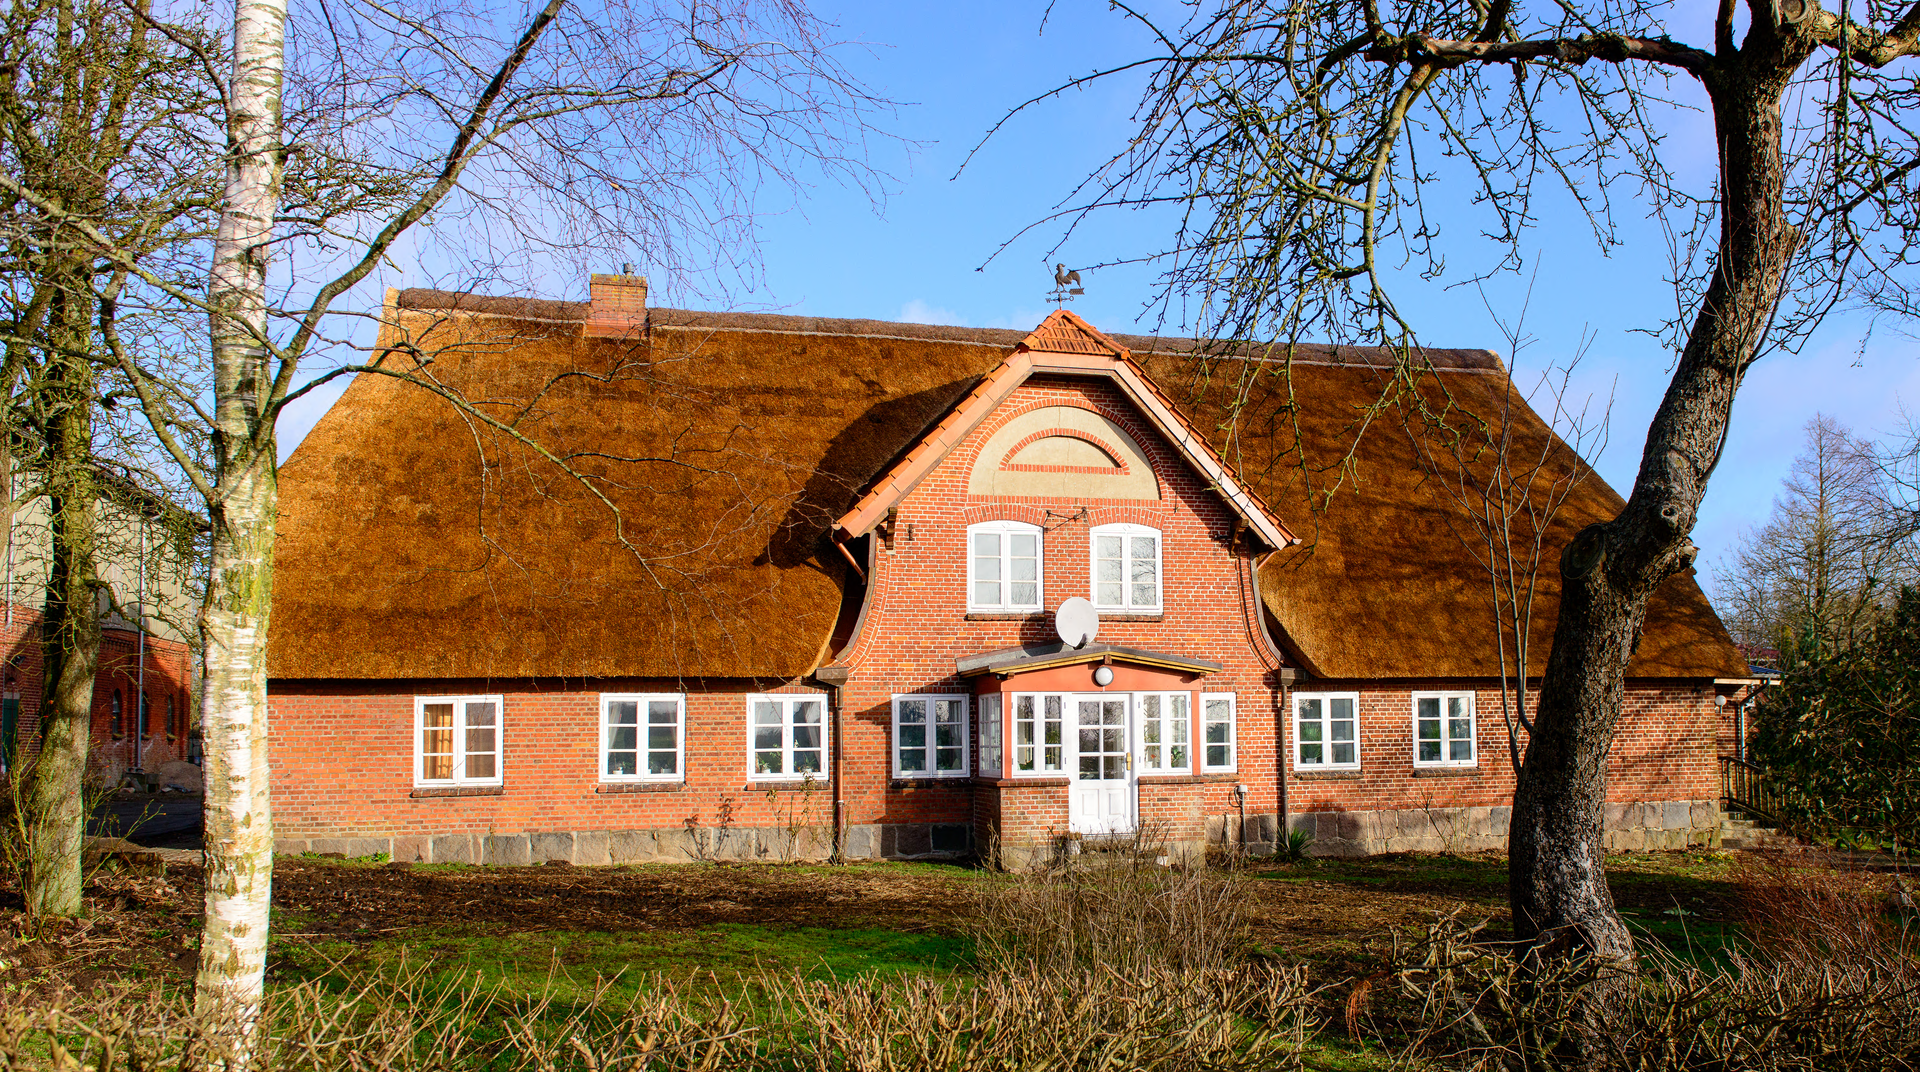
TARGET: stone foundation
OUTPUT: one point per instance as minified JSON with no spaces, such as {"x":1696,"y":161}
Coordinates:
{"x":1649,"y":827}
{"x":1673,"y":824}
{"x":739,"y":844}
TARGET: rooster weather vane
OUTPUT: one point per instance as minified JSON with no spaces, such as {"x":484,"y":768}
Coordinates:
{"x":1065,"y":285}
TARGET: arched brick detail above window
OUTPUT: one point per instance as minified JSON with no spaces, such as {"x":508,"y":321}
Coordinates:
{"x":1049,"y":451}
{"x":1065,"y":450}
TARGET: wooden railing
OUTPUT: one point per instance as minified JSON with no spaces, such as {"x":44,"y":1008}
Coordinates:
{"x":1744,"y":786}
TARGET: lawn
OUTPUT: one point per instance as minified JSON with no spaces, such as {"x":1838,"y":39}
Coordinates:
{"x":565,"y":939}
{"x":526,"y":925}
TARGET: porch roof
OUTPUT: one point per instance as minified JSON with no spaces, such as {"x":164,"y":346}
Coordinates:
{"x":1033,"y":657}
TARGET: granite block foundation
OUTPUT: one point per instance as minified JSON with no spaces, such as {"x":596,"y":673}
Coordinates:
{"x":1642,"y":827}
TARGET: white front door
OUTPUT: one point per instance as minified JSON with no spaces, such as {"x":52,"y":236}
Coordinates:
{"x":1101,"y":800}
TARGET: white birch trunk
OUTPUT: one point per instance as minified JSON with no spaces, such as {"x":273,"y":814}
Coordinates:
{"x":233,"y":622}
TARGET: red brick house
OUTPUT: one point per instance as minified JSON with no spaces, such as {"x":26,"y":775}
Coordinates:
{"x":143,"y":713}
{"x":794,"y":593}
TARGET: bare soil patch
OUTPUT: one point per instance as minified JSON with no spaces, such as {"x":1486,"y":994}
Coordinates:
{"x":146,"y":927}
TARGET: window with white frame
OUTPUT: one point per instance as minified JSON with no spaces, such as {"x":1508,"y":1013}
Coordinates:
{"x":1126,"y":568}
{"x":642,"y":737}
{"x":1003,"y":566}
{"x":1166,"y":729}
{"x":788,"y":736}
{"x":1326,"y":731}
{"x":1037,"y":733}
{"x":929,"y":736}
{"x":1217,"y":731}
{"x":456,"y":740}
{"x":990,"y":731}
{"x":1443,"y":730}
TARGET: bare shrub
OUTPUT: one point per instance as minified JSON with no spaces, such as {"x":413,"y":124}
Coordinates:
{"x":420,"y":1020}
{"x":1118,"y":909}
{"x":1805,"y":904}
{"x":1157,"y":1018}
{"x":1447,"y":998}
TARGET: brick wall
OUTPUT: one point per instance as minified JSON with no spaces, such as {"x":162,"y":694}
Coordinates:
{"x":168,"y":680}
{"x":344,"y":750}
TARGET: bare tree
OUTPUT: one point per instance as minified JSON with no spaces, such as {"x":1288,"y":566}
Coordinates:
{"x":1508,"y":482}
{"x":1831,"y":557}
{"x":629,"y":125}
{"x":1302,"y":143}
{"x":90,"y":95}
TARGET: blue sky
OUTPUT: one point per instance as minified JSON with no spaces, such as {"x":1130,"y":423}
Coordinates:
{"x":923,"y":257}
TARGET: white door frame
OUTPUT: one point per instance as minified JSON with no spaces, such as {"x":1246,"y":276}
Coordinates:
{"x":1104,"y":806}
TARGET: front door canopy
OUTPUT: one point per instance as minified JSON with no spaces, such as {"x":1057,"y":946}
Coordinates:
{"x":1009,"y":661}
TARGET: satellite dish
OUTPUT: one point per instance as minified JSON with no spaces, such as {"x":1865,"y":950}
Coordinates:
{"x":1077,"y":622}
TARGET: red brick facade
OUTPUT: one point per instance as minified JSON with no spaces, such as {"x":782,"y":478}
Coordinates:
{"x":344,"y":775}
{"x":120,"y":741}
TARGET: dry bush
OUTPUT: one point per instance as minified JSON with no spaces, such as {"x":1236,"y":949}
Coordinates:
{"x":1445,"y":998}
{"x":1162,"y":1020}
{"x":1806,"y":903}
{"x":1116,"y":909}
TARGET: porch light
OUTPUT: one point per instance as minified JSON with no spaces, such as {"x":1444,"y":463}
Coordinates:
{"x":1103,"y":676}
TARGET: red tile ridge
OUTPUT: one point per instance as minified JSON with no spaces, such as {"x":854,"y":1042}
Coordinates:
{"x":1064,"y":332}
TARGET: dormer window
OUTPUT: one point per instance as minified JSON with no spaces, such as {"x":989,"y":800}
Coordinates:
{"x":1126,"y":569}
{"x":1003,"y":566}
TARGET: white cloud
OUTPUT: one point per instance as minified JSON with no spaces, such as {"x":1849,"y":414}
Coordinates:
{"x":918,"y":311}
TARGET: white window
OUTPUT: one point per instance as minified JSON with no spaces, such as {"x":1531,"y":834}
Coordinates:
{"x":1443,"y":729}
{"x":1216,"y":731}
{"x":929,"y":736}
{"x":1126,"y":568}
{"x":787,"y":736}
{"x":1037,"y":740}
{"x":642,"y":737}
{"x":1166,"y":729}
{"x":990,"y":730}
{"x":456,"y":740}
{"x":1003,"y":566}
{"x":1326,"y":731}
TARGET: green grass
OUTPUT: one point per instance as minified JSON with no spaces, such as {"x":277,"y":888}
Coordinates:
{"x":573,"y":960}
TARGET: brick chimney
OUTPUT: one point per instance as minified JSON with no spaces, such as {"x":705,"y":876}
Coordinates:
{"x":618,"y":309}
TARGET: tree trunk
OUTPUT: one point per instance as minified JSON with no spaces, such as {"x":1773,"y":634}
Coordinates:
{"x":239,"y":825}
{"x":1556,"y":845}
{"x":70,"y":633}
{"x":233,"y":621}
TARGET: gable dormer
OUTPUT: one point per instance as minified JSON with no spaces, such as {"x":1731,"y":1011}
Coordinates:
{"x":1048,"y":450}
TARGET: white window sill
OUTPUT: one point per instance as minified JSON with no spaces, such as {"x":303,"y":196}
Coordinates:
{"x":1326,"y":768}
{"x":1439,"y":767}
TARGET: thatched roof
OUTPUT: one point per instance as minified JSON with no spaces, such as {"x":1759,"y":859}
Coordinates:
{"x":420,"y":541}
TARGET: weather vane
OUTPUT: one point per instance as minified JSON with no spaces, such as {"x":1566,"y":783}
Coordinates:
{"x":1065,"y":285}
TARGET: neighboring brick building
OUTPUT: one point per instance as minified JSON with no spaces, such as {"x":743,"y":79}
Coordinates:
{"x":799,"y":592}
{"x":142,"y":644}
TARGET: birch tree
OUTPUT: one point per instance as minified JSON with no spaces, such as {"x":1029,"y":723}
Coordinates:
{"x":627,"y":126}
{"x":1316,"y":151}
